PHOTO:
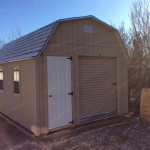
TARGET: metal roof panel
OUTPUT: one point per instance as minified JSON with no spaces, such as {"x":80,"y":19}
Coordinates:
{"x":27,"y":46}
{"x":32,"y":44}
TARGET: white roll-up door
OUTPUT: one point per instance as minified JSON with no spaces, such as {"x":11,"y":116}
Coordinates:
{"x":97,"y":86}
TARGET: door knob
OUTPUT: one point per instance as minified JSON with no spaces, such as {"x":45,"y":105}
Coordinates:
{"x":50,"y":95}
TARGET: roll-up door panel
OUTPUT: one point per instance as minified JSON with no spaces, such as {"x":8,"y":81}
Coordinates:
{"x":97,"y":86}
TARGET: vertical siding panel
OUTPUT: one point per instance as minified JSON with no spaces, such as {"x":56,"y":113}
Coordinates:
{"x":86,"y":35}
{"x":69,"y":32}
{"x":100,"y":36}
{"x":105,"y":38}
{"x":46,"y":49}
{"x":80,"y":48}
{"x":75,"y":32}
{"x":91,"y":35}
{"x":75,"y":48}
{"x":56,"y":37}
{"x":69,"y":47}
{"x":39,"y":108}
{"x":111,"y":39}
{"x":116,"y":44}
{"x":91,"y":49}
{"x":51,"y":48}
{"x":85,"y":48}
{"x":45,"y":98}
{"x":95,"y":34}
{"x":76,"y":89}
{"x":52,"y":39}
{"x":42,"y":105}
{"x":23,"y":94}
{"x":64,"y":48}
{"x":63,"y":32}
{"x":58,"y":47}
{"x":20,"y":107}
{"x":80,"y":32}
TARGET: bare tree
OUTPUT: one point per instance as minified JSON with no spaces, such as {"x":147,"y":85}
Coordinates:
{"x":2,"y":42}
{"x":124,"y":36}
{"x":139,"y":48}
{"x":14,"y":34}
{"x":140,"y":21}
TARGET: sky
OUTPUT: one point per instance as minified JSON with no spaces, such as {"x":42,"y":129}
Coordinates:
{"x":30,"y":15}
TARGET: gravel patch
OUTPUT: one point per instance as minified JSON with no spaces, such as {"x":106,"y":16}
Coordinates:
{"x":133,"y":134}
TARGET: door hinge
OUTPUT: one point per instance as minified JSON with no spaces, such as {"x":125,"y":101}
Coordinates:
{"x":113,"y":83}
{"x":69,"y":58}
{"x":70,"y":93}
{"x":72,"y":122}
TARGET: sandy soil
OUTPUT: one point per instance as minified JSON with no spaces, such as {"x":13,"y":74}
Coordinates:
{"x":133,"y":134}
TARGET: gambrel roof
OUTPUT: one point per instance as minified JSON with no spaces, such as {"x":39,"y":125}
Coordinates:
{"x":32,"y":44}
{"x":27,"y":46}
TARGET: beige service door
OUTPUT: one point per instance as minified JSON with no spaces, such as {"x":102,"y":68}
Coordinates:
{"x":97,"y":86}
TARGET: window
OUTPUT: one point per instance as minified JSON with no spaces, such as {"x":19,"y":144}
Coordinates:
{"x":88,"y":29}
{"x":16,"y":80}
{"x":1,"y":78}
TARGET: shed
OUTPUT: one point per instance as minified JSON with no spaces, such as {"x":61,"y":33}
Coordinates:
{"x":64,"y":74}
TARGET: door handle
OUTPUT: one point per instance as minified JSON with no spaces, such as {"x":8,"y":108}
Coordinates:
{"x":50,"y":96}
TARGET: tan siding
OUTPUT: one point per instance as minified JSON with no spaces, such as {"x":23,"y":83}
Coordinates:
{"x":69,"y":37}
{"x":69,"y":32}
{"x":75,"y":32}
{"x":70,"y":40}
{"x":21,"y":108}
{"x":57,"y":35}
{"x":80,"y":32}
{"x":42,"y":104}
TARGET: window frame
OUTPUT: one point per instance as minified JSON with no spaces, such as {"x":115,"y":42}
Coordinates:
{"x":2,"y":70}
{"x":16,"y":80}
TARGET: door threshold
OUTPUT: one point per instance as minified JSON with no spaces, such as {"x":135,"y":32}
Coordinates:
{"x":100,"y":117}
{"x":60,"y":128}
{"x":84,"y":127}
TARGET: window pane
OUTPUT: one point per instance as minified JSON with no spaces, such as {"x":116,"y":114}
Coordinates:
{"x":16,"y":84}
{"x":16,"y":90}
{"x":17,"y":76}
{"x":1,"y":73}
{"x":16,"y":87}
{"x":14,"y":75}
{"x":1,"y":84}
{"x":16,"y":80}
{"x":1,"y":76}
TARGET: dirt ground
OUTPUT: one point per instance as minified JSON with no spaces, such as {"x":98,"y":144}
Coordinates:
{"x":133,"y":134}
